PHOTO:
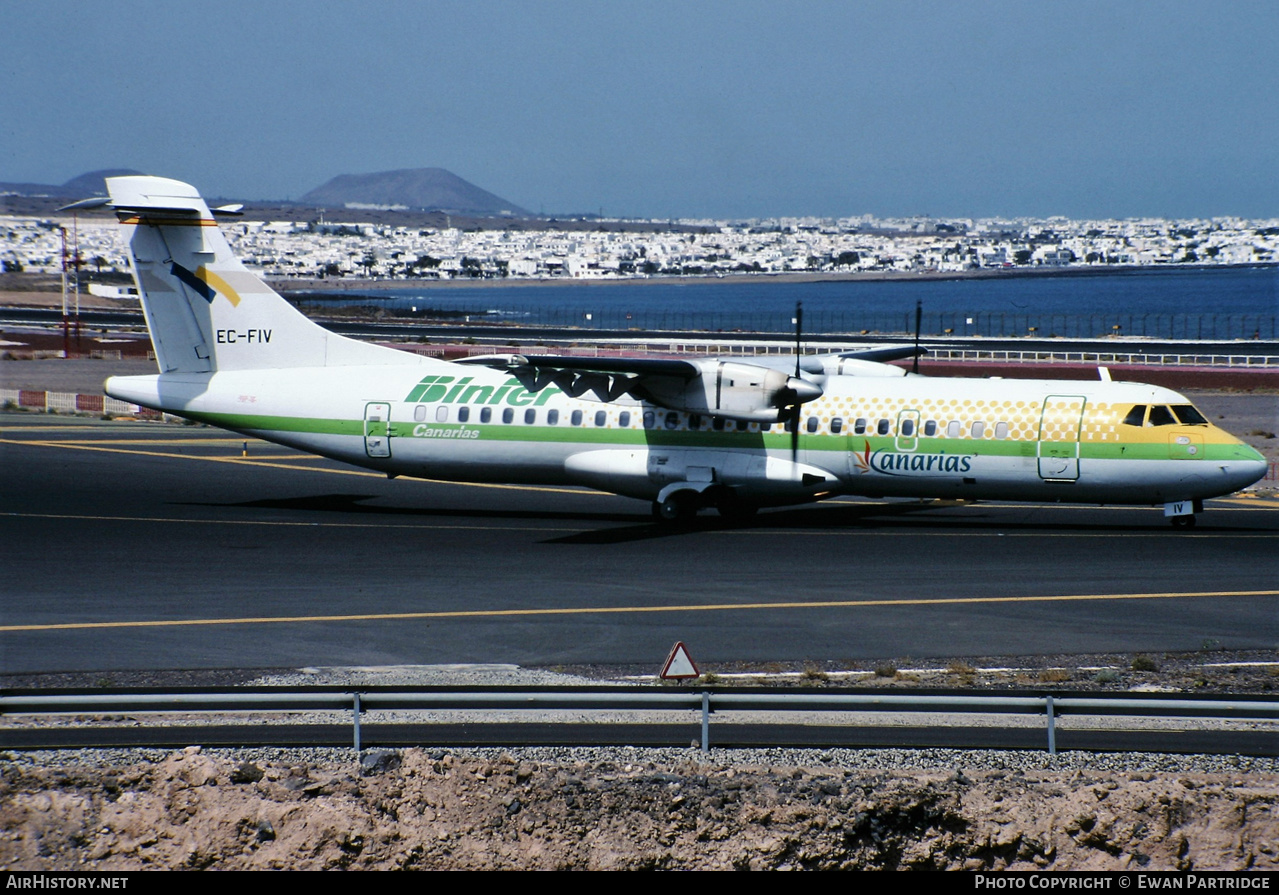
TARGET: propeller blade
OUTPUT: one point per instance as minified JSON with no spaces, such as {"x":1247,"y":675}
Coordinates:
{"x":919,"y":316}
{"x":799,"y":331}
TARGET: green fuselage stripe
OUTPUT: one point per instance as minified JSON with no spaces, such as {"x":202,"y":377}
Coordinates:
{"x":711,"y":439}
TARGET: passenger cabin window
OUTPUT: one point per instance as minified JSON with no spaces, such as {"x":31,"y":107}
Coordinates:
{"x":908,"y":428}
{"x":836,"y":425}
{"x":650,"y":419}
{"x":575,"y":418}
{"x":419,"y":413}
{"x":442,"y":414}
{"x":530,"y":416}
{"x":463,"y":414}
{"x":859,"y":426}
{"x":486,"y":414}
{"x":930,"y":429}
{"x":883,"y":427}
{"x":978,"y":429}
{"x":1136,"y":416}
{"x":813,"y":423}
{"x":552,"y":417}
{"x":601,"y":418}
{"x":508,"y":415}
{"x":952,"y":429}
{"x":1161,"y":416}
{"x":672,"y":420}
{"x":1001,"y":430}
{"x":624,"y":419}
{"x":694,"y":421}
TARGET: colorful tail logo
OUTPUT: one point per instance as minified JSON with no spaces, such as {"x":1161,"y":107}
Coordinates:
{"x":206,"y":283}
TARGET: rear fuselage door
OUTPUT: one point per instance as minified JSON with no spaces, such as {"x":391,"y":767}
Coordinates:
{"x":1059,"y":427}
{"x":377,"y":430}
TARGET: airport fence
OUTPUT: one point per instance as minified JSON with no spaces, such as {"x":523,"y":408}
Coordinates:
{"x":957,"y":324}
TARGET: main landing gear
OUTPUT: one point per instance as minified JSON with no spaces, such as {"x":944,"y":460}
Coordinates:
{"x":680,"y":508}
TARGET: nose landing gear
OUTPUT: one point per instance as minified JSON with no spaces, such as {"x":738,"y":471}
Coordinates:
{"x":1181,"y":513}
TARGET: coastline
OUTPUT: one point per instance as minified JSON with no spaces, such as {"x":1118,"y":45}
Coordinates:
{"x":44,"y":290}
{"x":303,"y":285}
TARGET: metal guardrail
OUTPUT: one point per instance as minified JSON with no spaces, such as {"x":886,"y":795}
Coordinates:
{"x":613,"y":699}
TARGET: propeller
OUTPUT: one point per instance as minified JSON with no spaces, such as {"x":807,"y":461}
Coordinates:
{"x":791,"y":392}
{"x":919,"y":316}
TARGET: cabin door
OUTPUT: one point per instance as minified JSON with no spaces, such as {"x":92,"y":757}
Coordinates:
{"x":377,"y":430}
{"x":1060,"y":423}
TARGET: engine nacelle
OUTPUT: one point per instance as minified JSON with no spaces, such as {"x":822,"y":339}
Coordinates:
{"x":835,"y":365}
{"x":734,"y":391}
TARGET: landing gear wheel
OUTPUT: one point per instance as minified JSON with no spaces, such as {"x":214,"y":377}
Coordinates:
{"x":677,"y":509}
{"x":1183,"y":521}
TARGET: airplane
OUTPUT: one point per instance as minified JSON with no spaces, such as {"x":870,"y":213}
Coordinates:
{"x":736,"y":435}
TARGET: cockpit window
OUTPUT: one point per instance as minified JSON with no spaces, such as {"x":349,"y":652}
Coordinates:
{"x":1161,"y":416}
{"x":1188,"y":415}
{"x":1136,"y":416}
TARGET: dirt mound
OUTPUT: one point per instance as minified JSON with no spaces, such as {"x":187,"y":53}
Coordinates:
{"x":418,"y":809}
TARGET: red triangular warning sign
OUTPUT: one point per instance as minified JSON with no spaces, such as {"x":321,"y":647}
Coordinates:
{"x":679,"y":664}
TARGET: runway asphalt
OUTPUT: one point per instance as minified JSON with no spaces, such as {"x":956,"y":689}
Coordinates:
{"x":150,"y":546}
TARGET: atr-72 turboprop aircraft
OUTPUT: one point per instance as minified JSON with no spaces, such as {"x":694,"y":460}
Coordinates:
{"x":684,"y":434}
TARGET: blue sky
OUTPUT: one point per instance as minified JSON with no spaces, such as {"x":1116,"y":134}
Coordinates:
{"x":667,"y":109}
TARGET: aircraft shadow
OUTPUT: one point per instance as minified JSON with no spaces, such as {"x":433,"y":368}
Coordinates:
{"x":353,"y":503}
{"x":635,"y":527}
{"x":792,"y":518}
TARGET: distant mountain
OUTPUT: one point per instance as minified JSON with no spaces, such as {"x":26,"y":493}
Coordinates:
{"x":419,"y":189}
{"x":91,"y":184}
{"x":430,"y":189}
{"x":83,"y":187}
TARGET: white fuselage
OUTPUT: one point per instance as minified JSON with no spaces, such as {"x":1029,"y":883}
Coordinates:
{"x":909,"y":436}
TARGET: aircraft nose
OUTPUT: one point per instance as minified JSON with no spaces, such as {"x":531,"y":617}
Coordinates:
{"x":1243,"y":473}
{"x":1258,"y":470}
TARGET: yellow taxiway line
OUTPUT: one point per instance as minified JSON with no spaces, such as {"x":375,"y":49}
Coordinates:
{"x":624,"y":610}
{"x":248,"y":461}
{"x":284,"y":524}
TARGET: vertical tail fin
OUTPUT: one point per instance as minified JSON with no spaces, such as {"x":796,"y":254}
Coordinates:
{"x":205,"y":310}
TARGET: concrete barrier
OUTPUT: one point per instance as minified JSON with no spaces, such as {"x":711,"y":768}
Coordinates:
{"x":33,"y":399}
{"x":70,"y":402}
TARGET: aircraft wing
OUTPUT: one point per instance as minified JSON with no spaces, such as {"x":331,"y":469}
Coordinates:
{"x":731,"y":389}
